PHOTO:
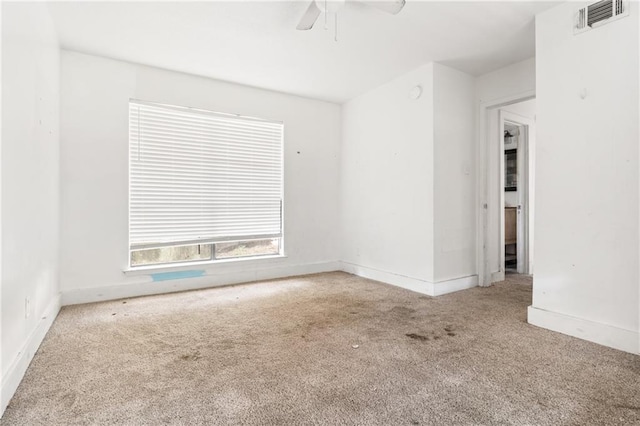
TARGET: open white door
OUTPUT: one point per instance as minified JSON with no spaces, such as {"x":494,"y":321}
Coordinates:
{"x":524,"y":125}
{"x":523,"y":206}
{"x":501,"y":204}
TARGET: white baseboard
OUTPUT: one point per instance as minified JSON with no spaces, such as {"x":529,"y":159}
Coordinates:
{"x":410,"y":283}
{"x":456,"y":284}
{"x":144,"y":286}
{"x":414,"y":284}
{"x":603,"y":334}
{"x":497,"y":277}
{"x":18,"y":367}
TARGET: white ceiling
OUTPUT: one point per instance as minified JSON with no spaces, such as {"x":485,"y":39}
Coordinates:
{"x":256,"y":43}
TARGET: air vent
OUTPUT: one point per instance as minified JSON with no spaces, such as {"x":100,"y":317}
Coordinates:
{"x":599,"y":13}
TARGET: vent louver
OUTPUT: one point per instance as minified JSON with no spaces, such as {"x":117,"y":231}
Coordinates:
{"x":599,"y":13}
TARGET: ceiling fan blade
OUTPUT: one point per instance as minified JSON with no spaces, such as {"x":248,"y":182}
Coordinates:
{"x":309,"y":18}
{"x":389,"y":6}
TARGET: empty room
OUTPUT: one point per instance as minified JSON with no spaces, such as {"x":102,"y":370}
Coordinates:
{"x":349,"y":212}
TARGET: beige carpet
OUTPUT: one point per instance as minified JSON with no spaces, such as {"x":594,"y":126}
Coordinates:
{"x":283,"y":352}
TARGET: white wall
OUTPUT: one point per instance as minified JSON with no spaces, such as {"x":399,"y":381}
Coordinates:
{"x":455,"y":174}
{"x":453,"y":159}
{"x":587,"y":182}
{"x":94,"y":164}
{"x":512,"y":80}
{"x":526,"y":108}
{"x":387,"y":180}
{"x":30,"y":196}
{"x":408,"y":182}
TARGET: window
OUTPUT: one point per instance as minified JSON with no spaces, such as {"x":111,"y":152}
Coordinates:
{"x":203,"y":186}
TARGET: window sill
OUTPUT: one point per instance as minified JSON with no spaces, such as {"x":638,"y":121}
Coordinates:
{"x":189,"y":266}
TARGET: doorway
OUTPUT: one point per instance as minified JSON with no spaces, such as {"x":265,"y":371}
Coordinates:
{"x":514,"y":255}
{"x":506,"y":189}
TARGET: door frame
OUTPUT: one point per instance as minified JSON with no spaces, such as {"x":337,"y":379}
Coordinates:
{"x":482,"y":185}
{"x":523,"y":189}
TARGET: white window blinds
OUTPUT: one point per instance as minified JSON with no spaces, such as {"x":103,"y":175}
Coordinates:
{"x":197,"y":176}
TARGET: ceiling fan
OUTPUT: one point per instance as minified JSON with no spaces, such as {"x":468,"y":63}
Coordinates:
{"x":316,"y":7}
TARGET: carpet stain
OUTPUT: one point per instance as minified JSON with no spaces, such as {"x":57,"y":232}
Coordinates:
{"x":628,"y":407}
{"x":69,"y":399}
{"x":415,"y":336}
{"x":402,"y":311}
{"x":191,"y":357}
